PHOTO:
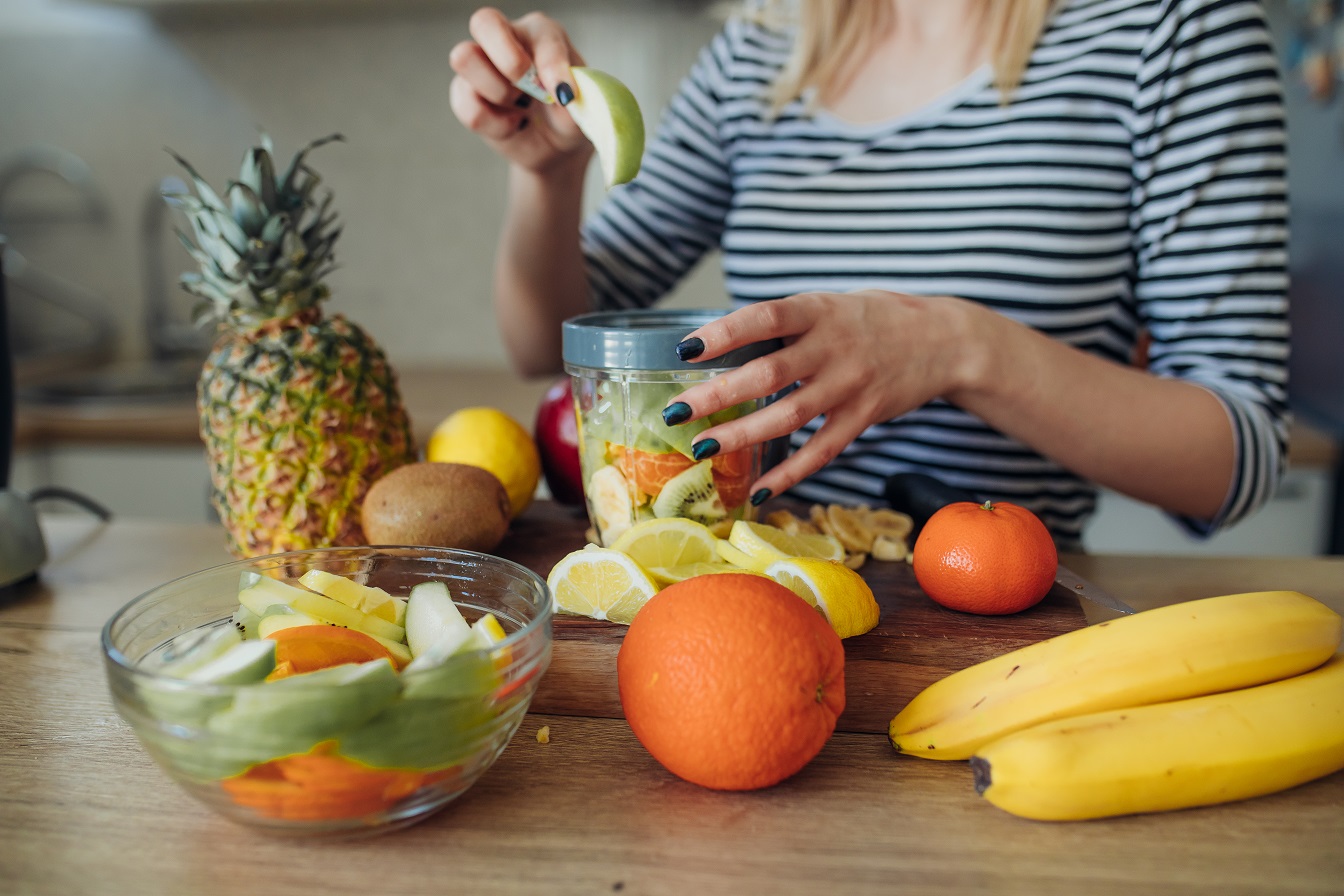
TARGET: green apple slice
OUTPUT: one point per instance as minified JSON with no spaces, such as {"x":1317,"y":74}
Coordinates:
{"x":259,"y":593}
{"x":608,"y":115}
{"x":291,"y":715}
{"x":244,"y":663}
{"x":435,"y":628}
{"x":189,"y":652}
{"x":178,"y":702}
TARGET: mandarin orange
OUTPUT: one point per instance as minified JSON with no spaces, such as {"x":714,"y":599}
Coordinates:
{"x":307,"y":648}
{"x":649,"y":470}
{"x":731,"y":681}
{"x":992,"y":559}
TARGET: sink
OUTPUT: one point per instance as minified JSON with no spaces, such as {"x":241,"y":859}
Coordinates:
{"x":126,"y":382}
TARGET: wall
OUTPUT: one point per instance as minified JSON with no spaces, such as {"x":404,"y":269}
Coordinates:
{"x":420,"y":196}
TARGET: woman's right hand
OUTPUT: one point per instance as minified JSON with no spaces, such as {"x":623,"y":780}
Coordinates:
{"x":526,"y":132}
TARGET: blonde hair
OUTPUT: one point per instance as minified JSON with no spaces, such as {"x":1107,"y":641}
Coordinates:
{"x":832,"y":36}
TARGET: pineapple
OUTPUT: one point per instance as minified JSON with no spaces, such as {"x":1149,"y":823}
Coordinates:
{"x":300,"y":412}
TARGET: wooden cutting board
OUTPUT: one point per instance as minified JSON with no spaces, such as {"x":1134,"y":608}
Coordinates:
{"x":916,"y":641}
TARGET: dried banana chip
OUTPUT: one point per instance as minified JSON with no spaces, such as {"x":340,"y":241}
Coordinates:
{"x":855,"y":561}
{"x":848,"y":525}
{"x":887,"y":548}
{"x":888,"y":522}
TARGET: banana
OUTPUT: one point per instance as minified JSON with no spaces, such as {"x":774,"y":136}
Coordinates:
{"x":1194,"y":752}
{"x":1182,"y":650}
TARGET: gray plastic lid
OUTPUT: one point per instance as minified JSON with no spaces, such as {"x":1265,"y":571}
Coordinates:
{"x":646,"y":340}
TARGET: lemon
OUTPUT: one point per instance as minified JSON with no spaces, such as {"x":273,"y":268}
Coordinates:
{"x":840,"y":593}
{"x":766,"y":544}
{"x":608,"y":114}
{"x":602,"y":583}
{"x":732,"y":555}
{"x":491,"y":439}
{"x":669,"y":542}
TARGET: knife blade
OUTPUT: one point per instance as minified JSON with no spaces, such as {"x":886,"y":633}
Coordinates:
{"x":1080,"y":586}
{"x":920,"y":496}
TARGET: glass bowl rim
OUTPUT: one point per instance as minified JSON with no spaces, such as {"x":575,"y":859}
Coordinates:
{"x":541,"y":620}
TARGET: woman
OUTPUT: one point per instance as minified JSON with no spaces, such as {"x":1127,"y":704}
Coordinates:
{"x":967,"y":215}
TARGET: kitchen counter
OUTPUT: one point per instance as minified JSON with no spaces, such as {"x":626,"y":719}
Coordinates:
{"x":84,"y":810}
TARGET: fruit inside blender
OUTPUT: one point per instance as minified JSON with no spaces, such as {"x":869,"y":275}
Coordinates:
{"x":636,"y":467}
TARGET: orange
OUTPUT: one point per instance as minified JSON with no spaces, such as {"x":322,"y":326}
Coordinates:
{"x":307,"y":648}
{"x":731,"y":681}
{"x":992,"y":559}
{"x":649,"y":470}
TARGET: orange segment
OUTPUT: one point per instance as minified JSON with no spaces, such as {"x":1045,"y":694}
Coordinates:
{"x":649,"y":471}
{"x":307,"y":648}
{"x":732,"y":476}
{"x":319,"y":785}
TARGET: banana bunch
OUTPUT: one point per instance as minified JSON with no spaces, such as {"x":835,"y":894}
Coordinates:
{"x":1167,"y":708}
{"x":1194,"y":752}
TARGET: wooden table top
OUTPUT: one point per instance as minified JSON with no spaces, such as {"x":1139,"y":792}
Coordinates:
{"x":83,"y":810}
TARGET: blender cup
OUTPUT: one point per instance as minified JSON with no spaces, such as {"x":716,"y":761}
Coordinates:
{"x":636,"y":467}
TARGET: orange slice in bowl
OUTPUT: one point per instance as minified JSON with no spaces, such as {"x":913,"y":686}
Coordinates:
{"x":307,"y":648}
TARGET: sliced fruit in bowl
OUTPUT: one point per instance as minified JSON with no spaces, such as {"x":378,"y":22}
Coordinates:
{"x":404,"y":716}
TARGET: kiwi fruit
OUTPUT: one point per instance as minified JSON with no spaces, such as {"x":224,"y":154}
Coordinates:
{"x":691,"y":494}
{"x":437,"y":504}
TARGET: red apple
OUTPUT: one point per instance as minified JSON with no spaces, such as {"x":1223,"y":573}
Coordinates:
{"x":557,"y":434}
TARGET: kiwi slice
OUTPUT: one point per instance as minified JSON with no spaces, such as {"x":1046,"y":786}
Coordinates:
{"x":691,"y":494}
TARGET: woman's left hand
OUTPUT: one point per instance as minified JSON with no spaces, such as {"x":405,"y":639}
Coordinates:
{"x":858,"y":358}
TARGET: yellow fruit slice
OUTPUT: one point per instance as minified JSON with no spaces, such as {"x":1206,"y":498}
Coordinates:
{"x":608,"y":114}
{"x":735,"y":557}
{"x":666,"y":543}
{"x":840,"y":593}
{"x":765,"y":544}
{"x":366,"y":599}
{"x":666,"y":575}
{"x":490,"y":630}
{"x":489,"y":438}
{"x":601,"y":583}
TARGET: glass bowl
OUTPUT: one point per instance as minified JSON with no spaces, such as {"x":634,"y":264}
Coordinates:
{"x":363,"y":748}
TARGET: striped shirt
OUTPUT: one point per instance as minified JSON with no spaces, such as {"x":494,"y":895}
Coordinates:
{"x":1136,"y":182}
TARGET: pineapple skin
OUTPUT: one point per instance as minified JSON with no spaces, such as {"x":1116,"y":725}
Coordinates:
{"x":299,"y":416}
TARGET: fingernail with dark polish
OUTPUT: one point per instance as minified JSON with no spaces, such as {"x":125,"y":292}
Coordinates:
{"x":705,"y":448}
{"x":523,"y":101}
{"x":677,"y":412}
{"x":760,"y":497}
{"x":690,"y":348}
{"x":563,"y":93}
{"x":522,"y":124}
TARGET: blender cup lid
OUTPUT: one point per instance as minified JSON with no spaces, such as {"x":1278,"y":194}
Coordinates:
{"x":646,"y":339}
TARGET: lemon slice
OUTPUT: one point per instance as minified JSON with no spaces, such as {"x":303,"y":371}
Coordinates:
{"x":737,"y":558}
{"x":608,"y":114}
{"x":602,"y":583}
{"x":765,"y":544}
{"x":840,"y":593}
{"x":666,"y":575}
{"x":670,"y":542}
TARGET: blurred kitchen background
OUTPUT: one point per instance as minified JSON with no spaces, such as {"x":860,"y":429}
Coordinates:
{"x":92,"y":94}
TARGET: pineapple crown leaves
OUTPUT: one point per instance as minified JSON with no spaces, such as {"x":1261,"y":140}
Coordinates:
{"x":266,"y":246}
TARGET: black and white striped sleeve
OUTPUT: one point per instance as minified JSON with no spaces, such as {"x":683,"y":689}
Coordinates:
{"x":1210,"y":228}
